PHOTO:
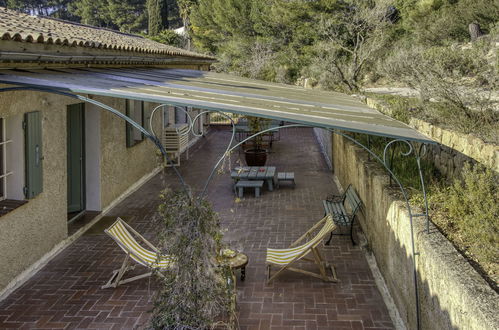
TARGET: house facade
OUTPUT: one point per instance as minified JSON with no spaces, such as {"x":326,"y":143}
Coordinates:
{"x":61,"y":158}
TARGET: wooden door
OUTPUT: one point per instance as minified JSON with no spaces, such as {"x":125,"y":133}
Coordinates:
{"x":76,"y":157}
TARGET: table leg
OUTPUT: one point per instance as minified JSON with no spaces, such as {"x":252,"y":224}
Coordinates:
{"x":270,"y":185}
{"x":243,"y":273}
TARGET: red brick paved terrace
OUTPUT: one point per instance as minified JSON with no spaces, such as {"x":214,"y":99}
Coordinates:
{"x":66,"y":292}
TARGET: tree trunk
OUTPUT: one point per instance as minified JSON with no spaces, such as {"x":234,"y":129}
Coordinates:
{"x":475,"y":31}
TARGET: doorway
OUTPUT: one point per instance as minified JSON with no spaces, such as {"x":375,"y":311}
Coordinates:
{"x":76,"y":160}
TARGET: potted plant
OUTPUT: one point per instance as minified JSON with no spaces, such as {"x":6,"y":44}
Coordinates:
{"x":256,"y":154}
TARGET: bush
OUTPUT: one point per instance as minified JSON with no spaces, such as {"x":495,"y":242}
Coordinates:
{"x":456,"y":85}
{"x":467,"y":212}
{"x":196,"y":290}
{"x":473,"y":204}
{"x":169,"y":37}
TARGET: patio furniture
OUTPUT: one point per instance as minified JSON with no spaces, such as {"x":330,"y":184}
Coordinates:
{"x":123,"y":235}
{"x":285,"y":176}
{"x":343,"y":208}
{"x":286,"y":257}
{"x":265,"y":173}
{"x":238,"y":261}
{"x":240,"y":185}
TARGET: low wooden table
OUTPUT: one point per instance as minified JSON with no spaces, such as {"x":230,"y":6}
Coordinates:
{"x":240,"y":260}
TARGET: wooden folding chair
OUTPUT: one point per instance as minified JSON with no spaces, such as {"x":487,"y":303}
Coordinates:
{"x":122,"y":235}
{"x":286,"y":257}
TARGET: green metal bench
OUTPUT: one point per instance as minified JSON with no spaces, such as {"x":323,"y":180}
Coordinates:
{"x":343,"y":208}
{"x":241,"y":184}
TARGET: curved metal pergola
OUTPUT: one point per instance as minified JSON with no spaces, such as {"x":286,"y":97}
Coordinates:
{"x":156,"y":141}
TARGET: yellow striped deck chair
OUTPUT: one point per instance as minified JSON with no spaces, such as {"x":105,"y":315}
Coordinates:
{"x":285,"y":257}
{"x":123,"y":235}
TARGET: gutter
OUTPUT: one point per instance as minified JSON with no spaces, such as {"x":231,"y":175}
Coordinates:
{"x":8,"y":56}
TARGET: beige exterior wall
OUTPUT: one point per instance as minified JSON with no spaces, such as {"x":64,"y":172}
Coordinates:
{"x":122,"y":166}
{"x":33,"y":229}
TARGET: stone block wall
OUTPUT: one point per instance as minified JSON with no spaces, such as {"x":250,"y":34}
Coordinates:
{"x":323,"y":136}
{"x":452,"y":294}
{"x":454,"y":148}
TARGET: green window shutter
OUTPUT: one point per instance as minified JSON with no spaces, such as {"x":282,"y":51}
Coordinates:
{"x":129,"y":128}
{"x":33,"y":153}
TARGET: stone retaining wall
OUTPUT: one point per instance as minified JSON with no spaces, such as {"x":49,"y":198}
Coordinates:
{"x":455,"y":148}
{"x":452,"y":294}
{"x":323,"y":136}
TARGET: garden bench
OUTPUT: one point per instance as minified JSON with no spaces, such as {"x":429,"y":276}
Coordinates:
{"x":241,"y":184}
{"x":286,"y":176}
{"x":343,"y":208}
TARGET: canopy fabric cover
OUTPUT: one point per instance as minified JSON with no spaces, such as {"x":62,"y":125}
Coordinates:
{"x":221,"y":92}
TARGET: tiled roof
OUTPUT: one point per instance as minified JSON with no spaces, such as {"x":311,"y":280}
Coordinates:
{"x":34,"y":29}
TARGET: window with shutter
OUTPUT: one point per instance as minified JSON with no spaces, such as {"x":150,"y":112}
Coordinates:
{"x":134,"y":110}
{"x":33,"y":154}
{"x":4,"y":173}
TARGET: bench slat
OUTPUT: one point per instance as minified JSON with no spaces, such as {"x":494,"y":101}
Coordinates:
{"x":249,"y":184}
{"x":340,"y":208}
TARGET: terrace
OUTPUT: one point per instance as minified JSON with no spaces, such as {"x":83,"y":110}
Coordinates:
{"x":66,"y":293}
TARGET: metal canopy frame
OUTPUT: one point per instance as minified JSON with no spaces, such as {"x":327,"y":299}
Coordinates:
{"x":221,"y":92}
{"x":156,"y":141}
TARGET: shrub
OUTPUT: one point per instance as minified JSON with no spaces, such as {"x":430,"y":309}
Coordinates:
{"x":456,"y":85}
{"x":196,"y":290}
{"x":169,"y":37}
{"x":473,"y":204}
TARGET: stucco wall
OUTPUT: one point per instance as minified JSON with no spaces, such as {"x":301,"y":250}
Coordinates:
{"x":122,"y":166}
{"x":33,"y":229}
{"x":452,"y":294}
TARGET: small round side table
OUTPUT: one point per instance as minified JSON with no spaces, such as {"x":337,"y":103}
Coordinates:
{"x":240,"y":260}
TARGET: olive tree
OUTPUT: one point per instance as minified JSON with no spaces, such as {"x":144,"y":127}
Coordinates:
{"x":350,"y":36}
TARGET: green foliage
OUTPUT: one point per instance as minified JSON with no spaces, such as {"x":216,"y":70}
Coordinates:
{"x":128,"y":15}
{"x":124,"y":15}
{"x":438,"y":22}
{"x":467,"y":213}
{"x":93,"y":12}
{"x":54,"y":8}
{"x":197,"y":290}
{"x":405,"y":168}
{"x":473,"y":204}
{"x":169,"y":37}
{"x":155,"y":23}
{"x":261,"y":39}
{"x":456,"y":84}
{"x":257,"y":124}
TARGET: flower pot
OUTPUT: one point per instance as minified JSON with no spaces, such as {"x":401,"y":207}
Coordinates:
{"x":255,"y":157}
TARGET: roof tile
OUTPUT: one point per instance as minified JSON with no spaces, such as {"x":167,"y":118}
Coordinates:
{"x":34,"y":29}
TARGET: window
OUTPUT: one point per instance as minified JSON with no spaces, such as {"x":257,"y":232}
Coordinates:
{"x":4,"y":174}
{"x":20,"y":159}
{"x":181,"y":115}
{"x":134,"y":110}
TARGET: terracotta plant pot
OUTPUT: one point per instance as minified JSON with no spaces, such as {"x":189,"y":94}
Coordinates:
{"x":255,"y":157}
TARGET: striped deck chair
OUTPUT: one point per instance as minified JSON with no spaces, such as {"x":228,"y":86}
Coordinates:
{"x":123,"y":235}
{"x":286,"y":257}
